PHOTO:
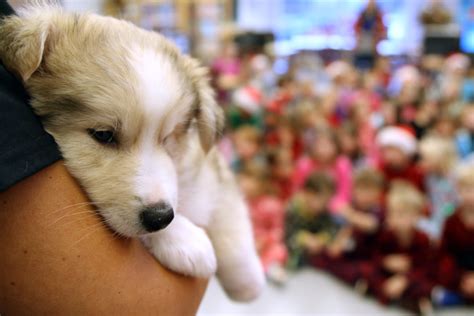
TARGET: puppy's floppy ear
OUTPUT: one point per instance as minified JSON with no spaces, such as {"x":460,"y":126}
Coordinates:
{"x":22,"y":43}
{"x":209,"y":115}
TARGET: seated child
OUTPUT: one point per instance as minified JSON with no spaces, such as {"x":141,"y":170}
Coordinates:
{"x":267,"y":214}
{"x":280,"y":163}
{"x":310,"y":228}
{"x":347,"y":135}
{"x":437,"y":158}
{"x":398,"y":274}
{"x":350,"y":255}
{"x":324,"y":156}
{"x":283,"y":96}
{"x":398,"y":146}
{"x":457,"y":242}
{"x":247,"y":144}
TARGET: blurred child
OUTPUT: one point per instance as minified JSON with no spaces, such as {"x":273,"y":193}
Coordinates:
{"x":465,"y":137}
{"x":247,"y":143}
{"x":283,"y":96}
{"x":402,"y":252}
{"x":305,"y":117}
{"x":348,"y":139}
{"x":246,"y":107}
{"x":425,"y":117}
{"x":225,"y":71}
{"x":267,"y":214}
{"x":457,"y":242}
{"x":324,"y":155}
{"x":365,"y":213}
{"x":279,"y":133}
{"x":398,"y":146}
{"x":437,"y":158}
{"x":310,"y":228}
{"x":405,"y":87}
{"x":444,"y":125}
{"x":280,"y":162}
{"x":350,"y":256}
{"x":363,"y":115}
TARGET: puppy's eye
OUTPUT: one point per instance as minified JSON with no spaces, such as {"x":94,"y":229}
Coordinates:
{"x":104,"y":137}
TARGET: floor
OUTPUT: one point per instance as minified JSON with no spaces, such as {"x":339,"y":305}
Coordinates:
{"x":308,"y":292}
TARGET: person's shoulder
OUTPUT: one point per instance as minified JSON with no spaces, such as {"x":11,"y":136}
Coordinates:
{"x":25,"y":146}
{"x":5,"y":8}
{"x":11,"y":88}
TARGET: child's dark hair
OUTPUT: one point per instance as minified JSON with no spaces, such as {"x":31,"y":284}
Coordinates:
{"x":320,"y":183}
{"x":349,"y":128}
{"x":284,"y":80}
{"x":369,"y":178}
{"x":260,"y":174}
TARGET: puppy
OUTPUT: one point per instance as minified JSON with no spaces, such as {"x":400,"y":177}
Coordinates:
{"x":136,"y":123}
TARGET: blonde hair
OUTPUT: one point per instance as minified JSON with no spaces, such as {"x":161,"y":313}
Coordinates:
{"x":369,"y":178}
{"x":403,"y":193}
{"x":248,"y":133}
{"x":465,"y":175}
{"x":440,"y":148}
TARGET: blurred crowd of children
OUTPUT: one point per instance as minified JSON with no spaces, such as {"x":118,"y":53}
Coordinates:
{"x":367,"y":174}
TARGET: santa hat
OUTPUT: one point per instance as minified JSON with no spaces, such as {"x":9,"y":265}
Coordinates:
{"x":248,"y":98}
{"x":399,"y":137}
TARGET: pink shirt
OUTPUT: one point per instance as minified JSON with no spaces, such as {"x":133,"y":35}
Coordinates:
{"x":341,"y":171}
{"x":268,"y":216}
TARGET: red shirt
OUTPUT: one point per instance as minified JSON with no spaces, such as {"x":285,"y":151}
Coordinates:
{"x":412,"y":174}
{"x":456,"y":251}
{"x":418,"y":250}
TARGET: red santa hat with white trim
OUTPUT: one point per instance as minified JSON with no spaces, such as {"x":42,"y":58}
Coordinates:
{"x":399,"y":137}
{"x":248,"y":98}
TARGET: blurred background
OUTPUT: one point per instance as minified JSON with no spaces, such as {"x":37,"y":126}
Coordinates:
{"x":350,"y":128}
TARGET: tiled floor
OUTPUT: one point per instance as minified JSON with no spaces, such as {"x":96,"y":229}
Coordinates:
{"x":308,"y":292}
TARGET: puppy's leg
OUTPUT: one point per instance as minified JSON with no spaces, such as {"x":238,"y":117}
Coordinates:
{"x":184,"y":248}
{"x":238,"y":267}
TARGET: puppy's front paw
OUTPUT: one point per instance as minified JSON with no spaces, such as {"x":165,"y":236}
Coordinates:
{"x":183,"y":248}
{"x":244,"y":284}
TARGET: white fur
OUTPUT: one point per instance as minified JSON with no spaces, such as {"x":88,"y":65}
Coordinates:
{"x":158,"y":85}
{"x":156,"y":177}
{"x":183,"y":247}
{"x":203,"y":199}
{"x":210,"y":198}
{"x":138,"y":80}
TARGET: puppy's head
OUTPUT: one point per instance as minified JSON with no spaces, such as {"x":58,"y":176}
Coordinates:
{"x":120,"y":102}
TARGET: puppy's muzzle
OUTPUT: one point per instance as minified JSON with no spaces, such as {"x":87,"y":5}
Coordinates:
{"x":157,"y":216}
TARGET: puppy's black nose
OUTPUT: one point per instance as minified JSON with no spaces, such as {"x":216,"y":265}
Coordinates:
{"x":157,"y":216}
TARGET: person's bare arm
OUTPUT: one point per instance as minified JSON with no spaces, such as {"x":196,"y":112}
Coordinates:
{"x":363,"y":221}
{"x":59,"y":259}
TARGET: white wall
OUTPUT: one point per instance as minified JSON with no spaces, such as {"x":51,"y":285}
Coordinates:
{"x":83,"y":5}
{"x":259,"y":15}
{"x":70,"y":5}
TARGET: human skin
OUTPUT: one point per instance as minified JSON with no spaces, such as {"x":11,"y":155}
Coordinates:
{"x":58,"y":258}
